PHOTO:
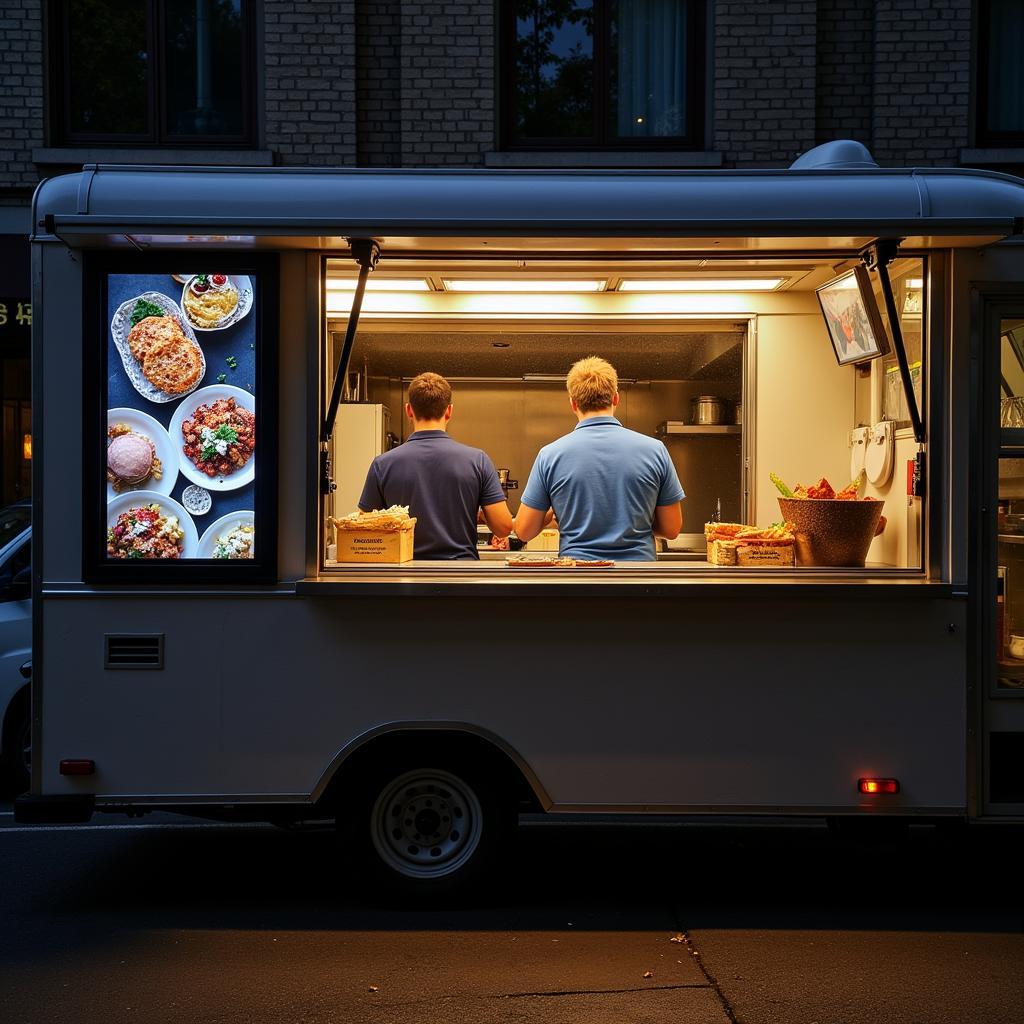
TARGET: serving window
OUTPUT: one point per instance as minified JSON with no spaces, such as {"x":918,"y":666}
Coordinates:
{"x":729,"y":363}
{"x":180,"y":432}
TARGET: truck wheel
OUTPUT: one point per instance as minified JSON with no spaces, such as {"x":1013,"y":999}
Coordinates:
{"x":17,"y":759}
{"x":426,"y":831}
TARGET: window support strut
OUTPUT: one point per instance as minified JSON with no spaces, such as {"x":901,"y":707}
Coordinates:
{"x":877,"y":257}
{"x":366,"y":252}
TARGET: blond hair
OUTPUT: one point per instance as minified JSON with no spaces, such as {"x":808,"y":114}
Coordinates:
{"x":592,"y":384}
{"x":429,"y":395}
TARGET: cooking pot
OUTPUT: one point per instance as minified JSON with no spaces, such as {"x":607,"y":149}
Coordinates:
{"x":708,"y":410}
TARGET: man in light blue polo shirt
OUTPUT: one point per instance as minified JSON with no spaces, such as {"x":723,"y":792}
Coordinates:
{"x":612,"y":490}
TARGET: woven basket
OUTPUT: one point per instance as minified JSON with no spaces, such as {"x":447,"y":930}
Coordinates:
{"x":831,"y":532}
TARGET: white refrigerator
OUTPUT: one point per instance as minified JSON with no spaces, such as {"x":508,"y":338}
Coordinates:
{"x":360,"y":435}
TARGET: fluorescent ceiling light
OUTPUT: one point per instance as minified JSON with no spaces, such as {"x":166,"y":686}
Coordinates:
{"x":558,"y":306}
{"x":517,"y":285}
{"x":380,"y":284}
{"x":701,"y":284}
{"x":915,"y":282}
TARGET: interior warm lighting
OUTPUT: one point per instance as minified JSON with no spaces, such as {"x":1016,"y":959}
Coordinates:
{"x":380,"y":284}
{"x":516,"y":285}
{"x":915,"y":282}
{"x":561,"y":306}
{"x":702,"y":284}
{"x":26,"y":447}
{"x":878,"y":785}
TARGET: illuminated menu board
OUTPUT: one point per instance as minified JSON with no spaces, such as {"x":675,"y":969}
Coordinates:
{"x":181,"y":416}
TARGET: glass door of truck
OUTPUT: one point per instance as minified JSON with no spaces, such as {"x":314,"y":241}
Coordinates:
{"x":1002,"y":570}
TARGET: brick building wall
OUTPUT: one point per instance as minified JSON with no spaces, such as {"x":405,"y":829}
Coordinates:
{"x":309,"y":85}
{"x":21,"y":95}
{"x":448,"y":106}
{"x":844,"y":82}
{"x":763,"y":80}
{"x":922,"y":81}
{"x":406,"y":82}
{"x":379,"y":82}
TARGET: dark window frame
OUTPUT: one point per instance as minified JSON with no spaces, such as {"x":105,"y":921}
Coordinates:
{"x":602,"y":138}
{"x":986,"y":136}
{"x":157,"y":135}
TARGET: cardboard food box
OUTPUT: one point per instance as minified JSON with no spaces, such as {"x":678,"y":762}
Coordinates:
{"x":546,"y":540}
{"x":722,"y":552}
{"x":375,"y":545}
{"x":764,"y":555}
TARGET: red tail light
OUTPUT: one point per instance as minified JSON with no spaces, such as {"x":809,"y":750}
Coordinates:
{"x":77,"y":766}
{"x":874,"y":786}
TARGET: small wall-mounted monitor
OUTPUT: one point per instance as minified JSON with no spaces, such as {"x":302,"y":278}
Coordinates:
{"x":851,"y":315}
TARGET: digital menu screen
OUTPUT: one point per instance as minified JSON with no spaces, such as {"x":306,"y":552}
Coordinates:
{"x":181,"y":439}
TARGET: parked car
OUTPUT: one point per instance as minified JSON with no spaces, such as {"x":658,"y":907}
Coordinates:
{"x":15,"y":646}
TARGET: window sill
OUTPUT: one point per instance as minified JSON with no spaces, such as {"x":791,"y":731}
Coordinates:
{"x":653,"y":581}
{"x":79,"y":155}
{"x":995,"y":155}
{"x":622,"y":158}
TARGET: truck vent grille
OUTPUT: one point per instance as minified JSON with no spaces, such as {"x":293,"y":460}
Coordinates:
{"x":126,"y":650}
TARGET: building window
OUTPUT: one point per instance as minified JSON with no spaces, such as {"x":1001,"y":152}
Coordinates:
{"x":1000,"y":73}
{"x":600,"y":74}
{"x":152,"y":72}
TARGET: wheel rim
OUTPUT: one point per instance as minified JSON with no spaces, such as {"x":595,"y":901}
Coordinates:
{"x":426,"y":824}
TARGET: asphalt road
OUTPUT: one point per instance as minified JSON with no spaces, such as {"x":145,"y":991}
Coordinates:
{"x":168,"y":920}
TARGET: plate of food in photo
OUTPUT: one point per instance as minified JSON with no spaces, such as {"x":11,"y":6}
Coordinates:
{"x":214,"y":431}
{"x":230,"y":537}
{"x":158,"y":347}
{"x":149,"y":525}
{"x":139,"y":454}
{"x":212,"y":302}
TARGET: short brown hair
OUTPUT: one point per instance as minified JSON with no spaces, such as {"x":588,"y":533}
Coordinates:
{"x":592,"y":384}
{"x":429,"y":395}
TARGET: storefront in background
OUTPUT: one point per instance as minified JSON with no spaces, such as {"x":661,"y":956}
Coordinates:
{"x":15,"y":369}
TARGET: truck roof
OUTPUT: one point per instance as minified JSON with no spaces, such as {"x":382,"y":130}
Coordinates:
{"x":832,"y":197}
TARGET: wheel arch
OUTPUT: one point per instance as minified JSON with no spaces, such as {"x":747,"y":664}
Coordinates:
{"x":19,"y":699}
{"x":462,"y":738}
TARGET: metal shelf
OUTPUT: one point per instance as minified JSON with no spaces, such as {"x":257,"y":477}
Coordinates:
{"x":693,"y":430}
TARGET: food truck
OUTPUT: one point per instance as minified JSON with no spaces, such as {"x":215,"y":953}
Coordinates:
{"x":220,"y":353}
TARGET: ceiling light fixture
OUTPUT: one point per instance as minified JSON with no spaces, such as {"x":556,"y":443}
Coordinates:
{"x":515,"y":285}
{"x":701,"y":284}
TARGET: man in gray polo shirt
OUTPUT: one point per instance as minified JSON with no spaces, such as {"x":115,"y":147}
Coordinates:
{"x":443,"y":482}
{"x":613,"y":490}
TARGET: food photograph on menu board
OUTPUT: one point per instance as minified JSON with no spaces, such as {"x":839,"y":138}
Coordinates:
{"x":181,"y":417}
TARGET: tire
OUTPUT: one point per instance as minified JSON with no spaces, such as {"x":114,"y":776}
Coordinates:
{"x":16,"y":764}
{"x":427,"y":829}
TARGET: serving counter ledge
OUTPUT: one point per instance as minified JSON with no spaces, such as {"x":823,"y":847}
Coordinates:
{"x":640,"y":579}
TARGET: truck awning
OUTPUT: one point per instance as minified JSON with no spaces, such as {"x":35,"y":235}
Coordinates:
{"x":817,"y":204}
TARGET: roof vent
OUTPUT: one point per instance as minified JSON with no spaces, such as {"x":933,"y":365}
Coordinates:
{"x":840,"y":155}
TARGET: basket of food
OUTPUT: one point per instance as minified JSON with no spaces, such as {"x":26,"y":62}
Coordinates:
{"x":832,"y":528}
